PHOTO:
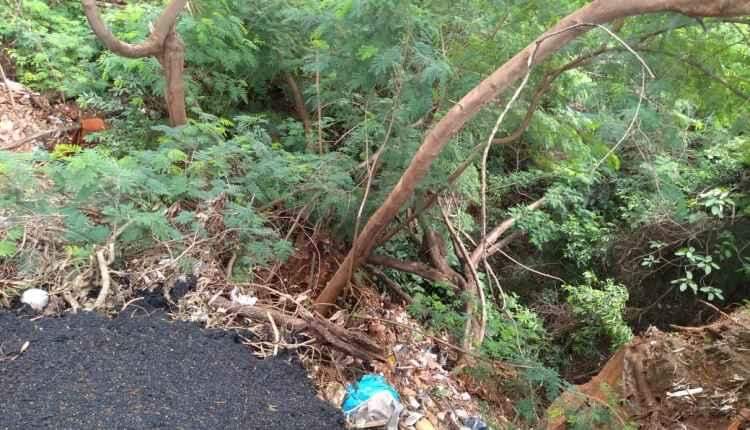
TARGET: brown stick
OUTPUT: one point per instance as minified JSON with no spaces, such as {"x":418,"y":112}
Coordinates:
{"x":393,"y":286}
{"x":420,"y":269}
{"x":354,"y":344}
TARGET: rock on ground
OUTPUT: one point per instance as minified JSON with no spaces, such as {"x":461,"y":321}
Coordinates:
{"x":146,"y":372}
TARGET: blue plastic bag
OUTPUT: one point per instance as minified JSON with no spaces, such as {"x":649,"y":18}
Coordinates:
{"x":364,"y":389}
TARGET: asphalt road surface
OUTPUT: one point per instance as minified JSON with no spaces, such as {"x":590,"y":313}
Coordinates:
{"x":146,"y":372}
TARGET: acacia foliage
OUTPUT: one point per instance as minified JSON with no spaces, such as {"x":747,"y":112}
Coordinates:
{"x":663,"y":210}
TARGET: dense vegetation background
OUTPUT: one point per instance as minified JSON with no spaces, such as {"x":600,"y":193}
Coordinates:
{"x":645,"y":180}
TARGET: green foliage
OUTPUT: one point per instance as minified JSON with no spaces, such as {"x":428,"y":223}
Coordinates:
{"x":664,"y":201}
{"x":193,"y":164}
{"x":516,"y":334}
{"x":440,"y":308}
{"x":598,"y":306}
{"x":696,"y":262}
{"x":52,"y":48}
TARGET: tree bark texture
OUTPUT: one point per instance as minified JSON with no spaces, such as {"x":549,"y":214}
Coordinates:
{"x":163,"y":43}
{"x":596,"y":12}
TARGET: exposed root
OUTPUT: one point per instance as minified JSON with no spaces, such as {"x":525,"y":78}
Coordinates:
{"x":354,"y":344}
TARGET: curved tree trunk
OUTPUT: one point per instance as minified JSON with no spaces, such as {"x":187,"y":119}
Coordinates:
{"x":172,"y":60}
{"x":163,"y":43}
{"x":596,"y":12}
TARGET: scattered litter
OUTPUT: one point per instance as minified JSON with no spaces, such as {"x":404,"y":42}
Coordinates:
{"x":36,"y":298}
{"x":684,"y":393}
{"x":475,"y":423}
{"x":372,"y":402}
{"x":413,"y":403}
{"x":412,"y":418}
{"x":242,"y":299}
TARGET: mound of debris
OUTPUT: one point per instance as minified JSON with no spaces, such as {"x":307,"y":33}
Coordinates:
{"x":693,"y":378}
{"x":145,"y":371}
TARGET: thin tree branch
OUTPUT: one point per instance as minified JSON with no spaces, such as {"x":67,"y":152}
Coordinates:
{"x":474,"y":341}
{"x":420,"y":269}
{"x":40,"y":135}
{"x":489,"y":240}
{"x":393,"y":286}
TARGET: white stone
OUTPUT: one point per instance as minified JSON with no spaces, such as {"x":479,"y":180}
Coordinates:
{"x":36,"y":298}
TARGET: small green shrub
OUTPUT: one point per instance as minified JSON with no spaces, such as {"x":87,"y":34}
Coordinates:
{"x":598,"y":306}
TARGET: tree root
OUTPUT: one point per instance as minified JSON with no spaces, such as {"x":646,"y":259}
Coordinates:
{"x":351,"y":343}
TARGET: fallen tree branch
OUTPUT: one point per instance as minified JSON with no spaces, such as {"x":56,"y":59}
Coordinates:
{"x":106,"y":280}
{"x":40,"y":135}
{"x":104,"y":263}
{"x":351,"y":343}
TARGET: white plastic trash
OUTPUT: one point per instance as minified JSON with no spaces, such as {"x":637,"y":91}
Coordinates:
{"x":36,"y":298}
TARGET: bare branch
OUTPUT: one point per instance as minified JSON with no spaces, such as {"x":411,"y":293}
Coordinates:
{"x":420,"y":269}
{"x":149,"y":47}
{"x":489,"y":240}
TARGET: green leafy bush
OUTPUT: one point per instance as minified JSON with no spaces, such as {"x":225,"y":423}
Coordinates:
{"x":598,"y":307}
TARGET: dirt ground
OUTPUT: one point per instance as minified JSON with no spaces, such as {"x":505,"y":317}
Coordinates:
{"x":690,"y":378}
